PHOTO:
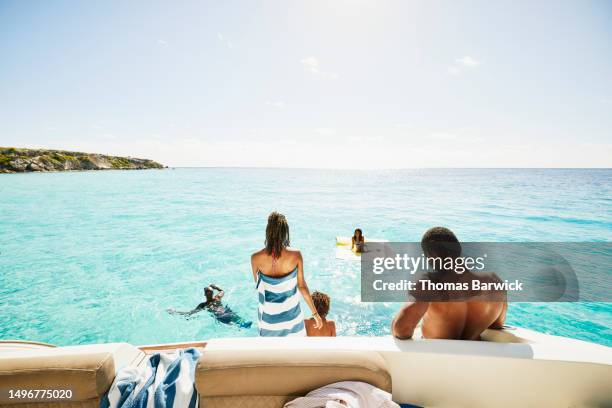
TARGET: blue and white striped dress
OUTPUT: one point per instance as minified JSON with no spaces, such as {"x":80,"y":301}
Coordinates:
{"x":279,"y":306}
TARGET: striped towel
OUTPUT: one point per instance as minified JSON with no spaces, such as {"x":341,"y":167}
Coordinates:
{"x":167,"y":381}
{"x":279,"y":306}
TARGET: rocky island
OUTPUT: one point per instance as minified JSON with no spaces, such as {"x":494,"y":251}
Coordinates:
{"x":14,"y":160}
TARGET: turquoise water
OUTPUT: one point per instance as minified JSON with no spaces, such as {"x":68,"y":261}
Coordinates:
{"x":99,"y":256}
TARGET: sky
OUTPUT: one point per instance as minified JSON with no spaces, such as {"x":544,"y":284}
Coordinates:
{"x":325,"y":84}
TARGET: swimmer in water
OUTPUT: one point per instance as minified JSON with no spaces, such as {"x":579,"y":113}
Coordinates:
{"x":358,"y":241}
{"x":213,"y":305}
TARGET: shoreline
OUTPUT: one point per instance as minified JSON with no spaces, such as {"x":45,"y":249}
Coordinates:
{"x":3,"y":172}
{"x":18,"y":160}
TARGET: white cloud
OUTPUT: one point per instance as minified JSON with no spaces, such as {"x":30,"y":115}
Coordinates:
{"x":312,"y":65}
{"x":463,"y":64}
{"x":325,"y":131}
{"x":276,"y":104}
{"x":205,"y":148}
{"x":225,"y":41}
{"x":163,"y":43}
{"x":468,"y":61}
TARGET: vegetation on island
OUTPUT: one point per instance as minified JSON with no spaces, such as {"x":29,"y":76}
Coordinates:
{"x":15,"y":160}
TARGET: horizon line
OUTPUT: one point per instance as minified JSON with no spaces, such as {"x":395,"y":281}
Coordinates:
{"x":385,"y":168}
{"x":319,"y":168}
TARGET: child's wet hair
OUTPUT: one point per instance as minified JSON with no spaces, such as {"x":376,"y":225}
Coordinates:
{"x":321,"y":302}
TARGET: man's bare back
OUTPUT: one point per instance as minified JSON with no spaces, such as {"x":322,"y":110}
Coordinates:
{"x":463,"y":311}
{"x":460,"y":320}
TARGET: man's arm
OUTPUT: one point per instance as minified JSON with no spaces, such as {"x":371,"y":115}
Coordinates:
{"x":407,"y":319}
{"x":212,"y":285}
{"x":501,"y":319}
{"x":501,"y":296}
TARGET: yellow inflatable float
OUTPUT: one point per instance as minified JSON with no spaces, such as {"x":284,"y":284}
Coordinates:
{"x":344,"y":251}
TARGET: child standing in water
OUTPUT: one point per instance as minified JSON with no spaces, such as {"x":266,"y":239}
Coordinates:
{"x":328,"y":329}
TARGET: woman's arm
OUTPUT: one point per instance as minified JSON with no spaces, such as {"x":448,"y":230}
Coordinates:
{"x":254,"y":267}
{"x":303,"y":287}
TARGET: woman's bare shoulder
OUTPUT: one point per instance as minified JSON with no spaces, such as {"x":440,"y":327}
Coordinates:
{"x":258,"y":254}
{"x":293,"y":252}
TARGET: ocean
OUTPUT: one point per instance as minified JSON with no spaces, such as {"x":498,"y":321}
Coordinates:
{"x":89,"y":257}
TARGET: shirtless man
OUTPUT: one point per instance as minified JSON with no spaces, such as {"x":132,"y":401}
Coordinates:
{"x":460,"y":316}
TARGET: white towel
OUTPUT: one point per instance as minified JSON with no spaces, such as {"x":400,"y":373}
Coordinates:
{"x":345,"y":394}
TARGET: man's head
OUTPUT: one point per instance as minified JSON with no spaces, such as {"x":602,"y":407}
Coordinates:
{"x":440,"y":242}
{"x":321,"y":302}
{"x":208,"y":293}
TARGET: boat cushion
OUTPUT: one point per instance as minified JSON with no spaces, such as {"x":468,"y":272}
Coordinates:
{"x":274,"y":375}
{"x":87,"y":371}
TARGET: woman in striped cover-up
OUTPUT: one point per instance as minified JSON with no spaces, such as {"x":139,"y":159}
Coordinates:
{"x":279,"y":274}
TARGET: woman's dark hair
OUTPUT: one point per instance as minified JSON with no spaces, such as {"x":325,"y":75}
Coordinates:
{"x":321,"y":303}
{"x":355,"y":233}
{"x":277,"y":234}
